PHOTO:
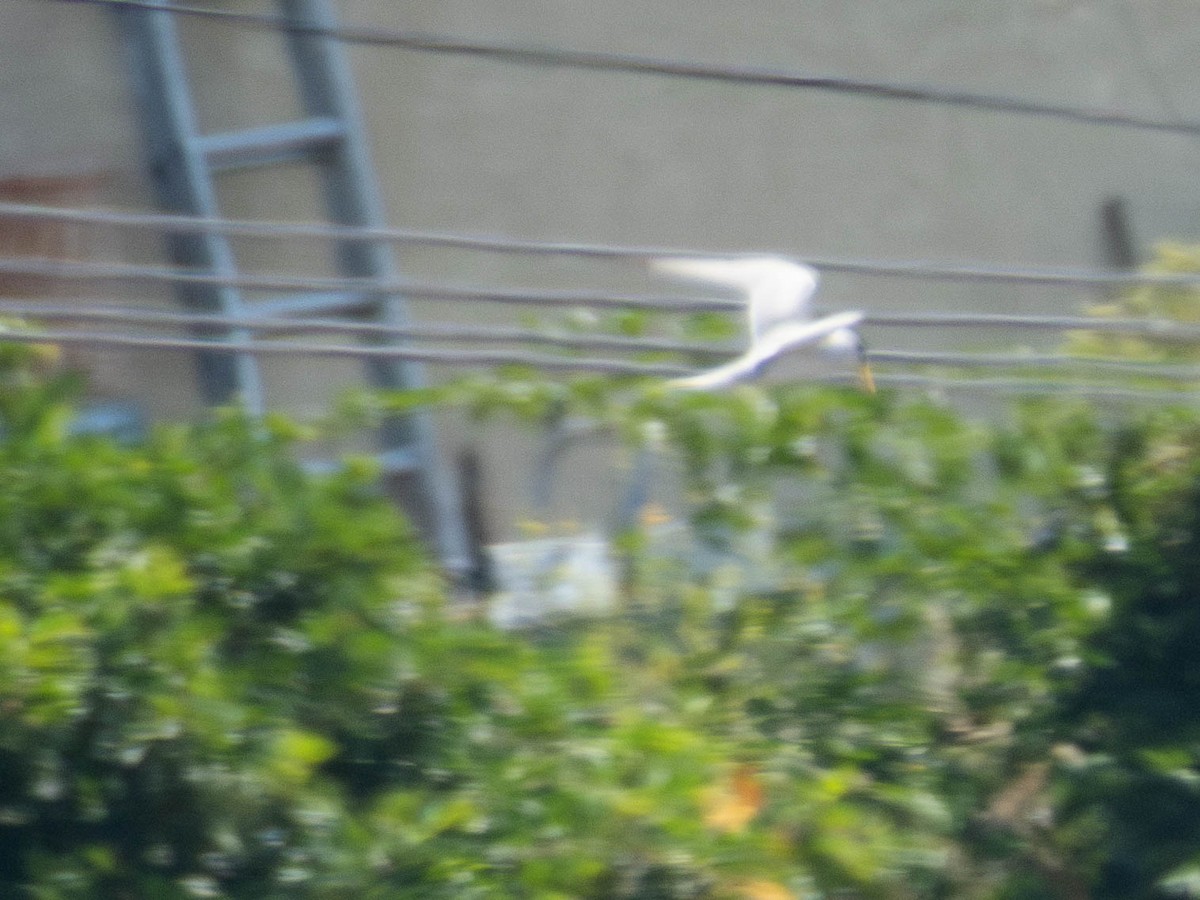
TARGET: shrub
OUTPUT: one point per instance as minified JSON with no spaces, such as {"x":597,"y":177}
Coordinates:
{"x":964,"y":668}
{"x":196,"y":641}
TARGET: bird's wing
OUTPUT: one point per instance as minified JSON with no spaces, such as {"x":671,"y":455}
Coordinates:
{"x":781,"y":297}
{"x":796,"y":334}
{"x":722,"y":376}
{"x":771,"y":345}
{"x":777,"y":290}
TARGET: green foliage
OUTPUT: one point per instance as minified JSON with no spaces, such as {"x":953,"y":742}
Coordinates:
{"x":1134,"y":710}
{"x":969,"y":670}
{"x":962,"y":668}
{"x":193,"y":636}
{"x":1168,"y":303}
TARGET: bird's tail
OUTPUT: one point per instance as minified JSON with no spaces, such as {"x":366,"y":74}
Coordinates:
{"x":714,"y":271}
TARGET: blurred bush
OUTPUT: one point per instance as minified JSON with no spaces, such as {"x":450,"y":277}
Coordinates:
{"x":967,"y":670}
{"x":1163,"y":302}
{"x":195,"y":639}
{"x":970,"y":673}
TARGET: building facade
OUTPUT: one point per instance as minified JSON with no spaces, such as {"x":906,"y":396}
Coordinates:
{"x":481,"y":145}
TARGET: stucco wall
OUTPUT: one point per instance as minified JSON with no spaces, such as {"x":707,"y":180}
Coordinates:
{"x":559,"y":154}
{"x":485,"y":146}
{"x":593,"y":156}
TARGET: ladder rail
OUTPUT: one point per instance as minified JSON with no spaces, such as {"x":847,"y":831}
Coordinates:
{"x":326,"y":90}
{"x":331,"y":137}
{"x":185,"y":184}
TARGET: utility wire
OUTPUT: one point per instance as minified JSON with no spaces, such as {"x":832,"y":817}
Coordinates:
{"x":51,"y":269}
{"x":364,"y":288}
{"x":1035,"y":361}
{"x":160,"y":319}
{"x":932,"y":270}
{"x":59,"y":311}
{"x":361,"y":289}
{"x":648,"y":65}
{"x":439,"y":356}
{"x":473,"y":358}
{"x":1031,"y":387}
{"x":913,"y":269}
{"x":1155,"y":329}
{"x":354,"y":290}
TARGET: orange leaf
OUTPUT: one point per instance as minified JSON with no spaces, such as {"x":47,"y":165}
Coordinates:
{"x":764,"y":890}
{"x":734,"y":805}
{"x":652,"y":514}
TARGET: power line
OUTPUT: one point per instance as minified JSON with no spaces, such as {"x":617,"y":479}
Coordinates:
{"x":349,"y":288}
{"x":932,"y":270}
{"x":647,"y":65}
{"x":913,"y":269}
{"x":1031,"y":387}
{"x":342,"y":288}
{"x":56,"y":310}
{"x":1036,"y":361}
{"x":439,"y":356}
{"x":475,"y":358}
{"x":1155,"y":329}
{"x":153,"y":318}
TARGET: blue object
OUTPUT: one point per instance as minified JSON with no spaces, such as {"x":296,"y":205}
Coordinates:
{"x":184,"y":162}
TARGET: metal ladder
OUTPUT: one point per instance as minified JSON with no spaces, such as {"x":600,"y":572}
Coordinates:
{"x":184,"y":163}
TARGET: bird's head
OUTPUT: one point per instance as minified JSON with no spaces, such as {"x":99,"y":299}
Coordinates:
{"x":847,"y":343}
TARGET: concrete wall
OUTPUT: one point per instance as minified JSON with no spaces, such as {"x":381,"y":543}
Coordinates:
{"x":483,"y":146}
{"x":635,"y":158}
{"x":68,"y":136}
{"x":559,"y":154}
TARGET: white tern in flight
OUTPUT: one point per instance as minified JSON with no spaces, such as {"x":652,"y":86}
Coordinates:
{"x":778,"y":293}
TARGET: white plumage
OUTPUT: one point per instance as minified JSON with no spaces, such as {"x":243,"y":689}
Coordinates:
{"x":778,"y":296}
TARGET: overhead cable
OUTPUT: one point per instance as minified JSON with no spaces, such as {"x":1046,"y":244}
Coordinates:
{"x":197,"y":322}
{"x":59,"y":311}
{"x":1031,"y":387}
{"x":433,"y":356}
{"x":925,"y":269}
{"x":492,"y":358}
{"x":647,"y":65}
{"x":1155,"y":329}
{"x":364,"y":288}
{"x":1145,"y":369}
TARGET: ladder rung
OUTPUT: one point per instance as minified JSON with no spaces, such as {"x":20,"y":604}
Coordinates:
{"x":270,"y":143}
{"x":310,"y":304}
{"x":328,"y":134}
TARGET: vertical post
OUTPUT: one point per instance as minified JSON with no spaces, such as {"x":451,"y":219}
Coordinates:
{"x":353,"y":197}
{"x":184,"y":183}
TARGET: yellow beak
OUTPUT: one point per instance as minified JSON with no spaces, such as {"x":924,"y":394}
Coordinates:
{"x":865,"y":377}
